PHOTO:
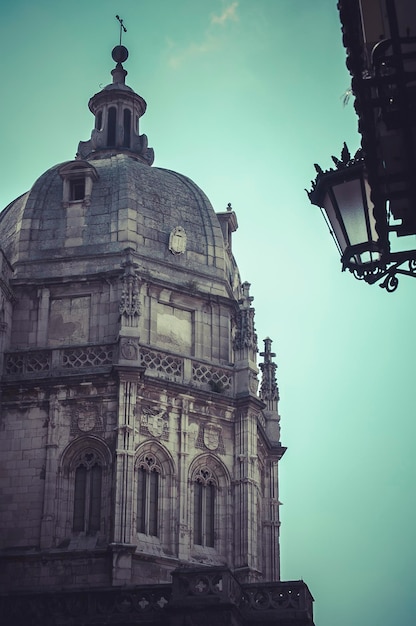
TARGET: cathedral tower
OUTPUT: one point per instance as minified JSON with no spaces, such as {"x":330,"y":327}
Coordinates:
{"x":135,"y":437}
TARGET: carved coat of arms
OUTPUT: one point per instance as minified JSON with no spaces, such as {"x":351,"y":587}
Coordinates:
{"x":128,"y":349}
{"x":212,"y":436}
{"x":177,"y":240}
{"x":154,"y":422}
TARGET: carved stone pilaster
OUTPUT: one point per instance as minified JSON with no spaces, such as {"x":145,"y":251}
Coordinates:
{"x":245,"y":337}
{"x":130,"y":293}
{"x":269,"y":391}
{"x":48,"y":521}
{"x":126,"y":423}
{"x":246,"y":486}
{"x":121,"y":563}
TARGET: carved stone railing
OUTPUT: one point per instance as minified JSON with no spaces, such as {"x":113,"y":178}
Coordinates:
{"x":186,"y":370}
{"x":208,"y":596}
{"x":280,"y":598}
{"x":167,"y":365}
{"x":205,"y":585}
{"x":127,"y":606}
{"x":91,"y":356}
{"x":41,"y":363}
{"x":29,"y":363}
{"x":218,"y":379}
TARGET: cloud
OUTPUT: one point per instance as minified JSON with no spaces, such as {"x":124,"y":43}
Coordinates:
{"x":229,"y":13}
{"x":211,"y":40}
{"x":192,"y":51}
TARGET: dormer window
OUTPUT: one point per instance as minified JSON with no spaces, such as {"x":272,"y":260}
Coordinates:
{"x":78,"y":178}
{"x":77,"y":189}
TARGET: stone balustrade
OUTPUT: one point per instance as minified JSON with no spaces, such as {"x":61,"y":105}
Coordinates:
{"x":159,"y":364}
{"x":200,"y":594}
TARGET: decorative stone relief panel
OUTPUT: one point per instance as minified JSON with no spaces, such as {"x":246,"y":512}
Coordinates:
{"x":86,"y":418}
{"x":204,"y":408}
{"x":154,"y":422}
{"x":69,"y":321}
{"x":129,"y":349}
{"x":177,"y":240}
{"x":254,"y":383}
{"x":129,"y":303}
{"x":210,"y":438}
{"x":174,"y":328}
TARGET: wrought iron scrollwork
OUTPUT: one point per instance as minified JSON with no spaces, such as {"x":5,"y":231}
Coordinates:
{"x":389,"y":273}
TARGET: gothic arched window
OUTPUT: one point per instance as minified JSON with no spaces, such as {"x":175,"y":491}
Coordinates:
{"x":87,"y":493}
{"x":148,"y":473}
{"x":83,"y":496}
{"x":204,"y":507}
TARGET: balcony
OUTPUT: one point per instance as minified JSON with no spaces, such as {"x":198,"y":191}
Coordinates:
{"x":201,"y":596}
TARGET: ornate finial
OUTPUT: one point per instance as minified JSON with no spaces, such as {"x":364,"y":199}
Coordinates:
{"x":246,"y":336}
{"x":122,"y":27}
{"x":229,"y":207}
{"x":246,"y":299}
{"x":346,"y":161}
{"x":269,"y":391}
{"x":120,"y":54}
{"x":268,"y":354}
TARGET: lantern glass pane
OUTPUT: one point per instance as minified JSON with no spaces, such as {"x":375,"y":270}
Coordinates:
{"x":372,"y":221}
{"x":352,"y":208}
{"x":334,"y":222}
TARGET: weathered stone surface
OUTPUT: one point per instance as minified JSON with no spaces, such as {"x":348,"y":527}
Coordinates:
{"x":133,"y":440}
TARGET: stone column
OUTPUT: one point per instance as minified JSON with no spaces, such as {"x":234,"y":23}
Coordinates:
{"x":124,"y":476}
{"x":246,"y":495}
{"x":130,"y":372}
{"x":48,"y":522}
{"x":271,"y":522}
{"x":183,"y":488}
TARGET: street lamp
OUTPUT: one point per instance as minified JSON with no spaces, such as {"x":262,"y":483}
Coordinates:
{"x":369,"y":201}
{"x":345,"y":197}
{"x":357,"y":219}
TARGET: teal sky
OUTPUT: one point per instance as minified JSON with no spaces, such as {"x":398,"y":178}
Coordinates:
{"x":244,"y":97}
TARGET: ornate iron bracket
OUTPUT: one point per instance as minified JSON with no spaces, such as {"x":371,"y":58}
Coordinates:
{"x":391,"y":281}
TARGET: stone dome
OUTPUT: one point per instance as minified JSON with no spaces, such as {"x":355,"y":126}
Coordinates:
{"x":85,"y":213}
{"x":131,"y":205}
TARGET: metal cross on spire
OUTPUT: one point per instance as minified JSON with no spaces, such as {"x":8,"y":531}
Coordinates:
{"x":122,"y":27}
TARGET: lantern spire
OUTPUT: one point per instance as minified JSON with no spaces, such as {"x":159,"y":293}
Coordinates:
{"x":117,"y":110}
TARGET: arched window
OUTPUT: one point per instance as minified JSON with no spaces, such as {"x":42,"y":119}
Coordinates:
{"x":204,"y":507}
{"x":148,"y":474}
{"x":99,"y":120}
{"x":83,"y":495}
{"x":111,"y":127}
{"x":87,"y":493}
{"x":155,"y":499}
{"x":126,"y":128}
{"x":210,"y":515}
